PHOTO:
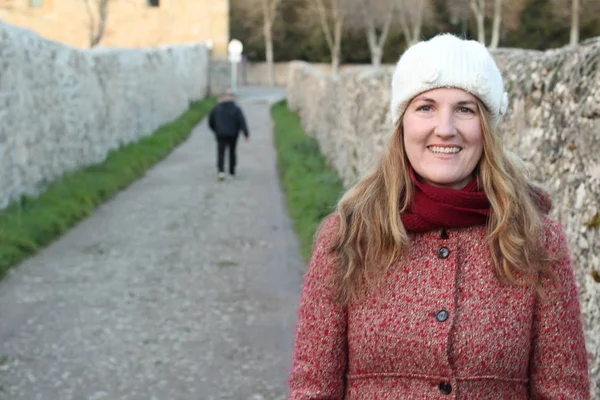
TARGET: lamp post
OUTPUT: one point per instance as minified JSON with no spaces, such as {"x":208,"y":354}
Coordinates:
{"x":234,"y":49}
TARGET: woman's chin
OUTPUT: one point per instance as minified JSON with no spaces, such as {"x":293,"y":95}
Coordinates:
{"x":448,"y":181}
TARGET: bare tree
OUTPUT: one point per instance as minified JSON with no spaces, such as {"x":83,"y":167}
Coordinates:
{"x":575,"y":10}
{"x":98,"y":12}
{"x":258,"y":19}
{"x":511,"y":8}
{"x":577,"y":13}
{"x":373,"y":14}
{"x":478,"y":8}
{"x":249,"y":15}
{"x":269,"y":11}
{"x":411,"y":19}
{"x":496,"y":24}
{"x":331,"y":17}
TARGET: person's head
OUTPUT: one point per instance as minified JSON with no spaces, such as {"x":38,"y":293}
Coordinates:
{"x":227,"y":95}
{"x":447,"y":98}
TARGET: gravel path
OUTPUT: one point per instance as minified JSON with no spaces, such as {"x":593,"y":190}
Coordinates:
{"x":181,"y":287}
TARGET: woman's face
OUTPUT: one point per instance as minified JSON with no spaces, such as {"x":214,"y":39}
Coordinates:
{"x":442,"y":136}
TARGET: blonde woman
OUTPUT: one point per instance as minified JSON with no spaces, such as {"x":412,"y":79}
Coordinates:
{"x":440,"y":275}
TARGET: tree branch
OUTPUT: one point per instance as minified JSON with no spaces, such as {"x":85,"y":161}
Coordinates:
{"x":386,"y":25}
{"x":273,"y":10}
{"x":325,"y":24}
{"x":92,"y":26}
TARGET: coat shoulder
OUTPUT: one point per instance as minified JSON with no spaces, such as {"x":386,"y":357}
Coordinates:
{"x":327,"y":231}
{"x":556,"y":244}
{"x":554,"y":236}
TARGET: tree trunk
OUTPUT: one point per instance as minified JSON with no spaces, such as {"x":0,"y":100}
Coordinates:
{"x":102,"y":24}
{"x":335,"y":57}
{"x":269,"y":10}
{"x":376,"y":55}
{"x":404,"y":21}
{"x":97,"y":28}
{"x":411,"y":27}
{"x":478,"y":7}
{"x":480,"y":29}
{"x":376,"y":44}
{"x":326,"y":31}
{"x":334,"y":39}
{"x":269,"y":53}
{"x":574,"y":22}
{"x":418,"y":23}
{"x":375,"y":50}
{"x":496,"y":26}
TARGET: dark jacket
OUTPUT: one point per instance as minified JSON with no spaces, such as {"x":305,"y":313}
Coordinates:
{"x":227,"y":119}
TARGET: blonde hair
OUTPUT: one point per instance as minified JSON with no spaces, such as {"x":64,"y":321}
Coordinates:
{"x":371,"y":232}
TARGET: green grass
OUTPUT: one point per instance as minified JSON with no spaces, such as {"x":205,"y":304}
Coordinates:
{"x":31,"y":223}
{"x":312,"y":188}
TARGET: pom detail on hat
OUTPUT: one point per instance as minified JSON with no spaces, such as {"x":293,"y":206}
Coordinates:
{"x":448,"y":61}
{"x":480,"y":84}
{"x":429,"y":74}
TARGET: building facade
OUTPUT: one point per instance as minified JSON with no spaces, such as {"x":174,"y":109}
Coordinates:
{"x":129,"y":23}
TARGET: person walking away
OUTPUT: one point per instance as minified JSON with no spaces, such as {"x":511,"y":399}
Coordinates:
{"x":226,"y":120}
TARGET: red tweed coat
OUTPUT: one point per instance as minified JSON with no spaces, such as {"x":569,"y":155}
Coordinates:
{"x":441,"y":326}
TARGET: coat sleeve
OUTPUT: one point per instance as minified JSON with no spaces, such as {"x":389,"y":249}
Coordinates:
{"x":242,"y":122}
{"x":320,"y":353}
{"x":211,"y":120}
{"x":558,"y":364}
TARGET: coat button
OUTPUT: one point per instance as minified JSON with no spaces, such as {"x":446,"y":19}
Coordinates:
{"x":443,"y":252}
{"x":442,"y":315}
{"x":445,"y":388}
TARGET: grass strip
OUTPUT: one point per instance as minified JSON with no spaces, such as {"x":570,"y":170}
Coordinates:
{"x":32,"y":222}
{"x":312,"y":188}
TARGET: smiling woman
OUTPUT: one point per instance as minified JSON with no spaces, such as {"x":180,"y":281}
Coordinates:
{"x":442,"y":136}
{"x":440,"y":273}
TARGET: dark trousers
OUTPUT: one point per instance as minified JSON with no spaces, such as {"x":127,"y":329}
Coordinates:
{"x":224,"y":143}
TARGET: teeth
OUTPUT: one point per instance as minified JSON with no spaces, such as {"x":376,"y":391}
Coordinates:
{"x":445,"y":150}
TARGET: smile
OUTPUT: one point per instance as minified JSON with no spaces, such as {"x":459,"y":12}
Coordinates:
{"x":444,"y":150}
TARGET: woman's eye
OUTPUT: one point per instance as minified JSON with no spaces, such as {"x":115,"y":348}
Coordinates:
{"x":424,"y":108}
{"x":466,"y":110}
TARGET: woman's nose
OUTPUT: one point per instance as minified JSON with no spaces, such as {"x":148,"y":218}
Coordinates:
{"x":445,"y":125}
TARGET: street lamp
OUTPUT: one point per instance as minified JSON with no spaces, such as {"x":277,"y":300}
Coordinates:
{"x":234,"y":49}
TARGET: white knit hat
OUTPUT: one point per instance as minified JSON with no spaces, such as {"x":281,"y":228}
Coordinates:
{"x":448,"y":61}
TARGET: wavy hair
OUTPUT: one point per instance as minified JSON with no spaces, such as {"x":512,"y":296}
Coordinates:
{"x":371,"y":232}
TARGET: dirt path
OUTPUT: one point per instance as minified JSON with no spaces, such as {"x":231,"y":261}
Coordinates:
{"x":181,"y":287}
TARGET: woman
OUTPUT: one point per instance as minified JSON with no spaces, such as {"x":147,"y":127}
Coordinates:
{"x":440,"y":274}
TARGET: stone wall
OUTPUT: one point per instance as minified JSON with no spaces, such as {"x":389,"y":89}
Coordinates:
{"x":255,"y":73}
{"x":62,"y":108}
{"x":553,"y":124}
{"x":248,"y":74}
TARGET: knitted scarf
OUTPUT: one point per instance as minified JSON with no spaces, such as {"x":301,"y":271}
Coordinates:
{"x":435,"y":207}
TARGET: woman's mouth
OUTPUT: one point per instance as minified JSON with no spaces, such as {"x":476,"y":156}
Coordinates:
{"x":444,"y":150}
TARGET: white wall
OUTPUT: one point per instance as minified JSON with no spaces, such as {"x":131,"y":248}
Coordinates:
{"x":62,"y":108}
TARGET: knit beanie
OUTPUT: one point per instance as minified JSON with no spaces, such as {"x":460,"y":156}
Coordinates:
{"x":448,"y":61}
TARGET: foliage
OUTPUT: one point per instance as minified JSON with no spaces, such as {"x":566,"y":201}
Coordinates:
{"x":540,"y":24}
{"x":539,"y":29}
{"x":33,"y":222}
{"x":594,"y":222}
{"x":312,"y":188}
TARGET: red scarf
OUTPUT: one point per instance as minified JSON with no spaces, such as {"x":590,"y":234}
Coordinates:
{"x":435,"y":207}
